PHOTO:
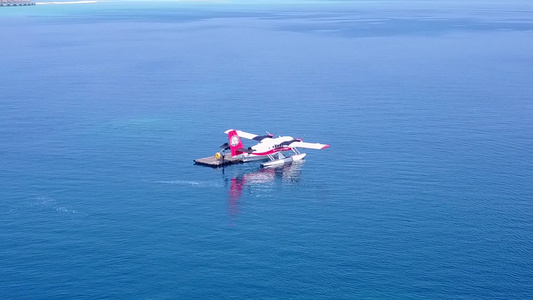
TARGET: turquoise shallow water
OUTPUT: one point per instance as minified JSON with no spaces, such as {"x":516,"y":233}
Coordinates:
{"x":425,"y":192}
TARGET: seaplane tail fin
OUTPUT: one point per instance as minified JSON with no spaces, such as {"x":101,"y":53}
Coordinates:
{"x":235,"y":143}
{"x":246,"y":135}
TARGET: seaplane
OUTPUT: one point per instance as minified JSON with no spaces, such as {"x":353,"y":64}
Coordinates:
{"x":268,"y":148}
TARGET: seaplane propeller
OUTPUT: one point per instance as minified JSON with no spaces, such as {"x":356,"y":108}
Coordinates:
{"x":287,"y":143}
{"x":245,"y":150}
{"x":225,"y":146}
{"x":259,"y":138}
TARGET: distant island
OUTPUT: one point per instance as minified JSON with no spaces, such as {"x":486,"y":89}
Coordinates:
{"x":16,"y":2}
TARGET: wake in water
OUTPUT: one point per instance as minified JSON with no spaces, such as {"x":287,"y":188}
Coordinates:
{"x":45,"y":203}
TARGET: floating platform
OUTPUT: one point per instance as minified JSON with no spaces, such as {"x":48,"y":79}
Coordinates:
{"x":212,"y":161}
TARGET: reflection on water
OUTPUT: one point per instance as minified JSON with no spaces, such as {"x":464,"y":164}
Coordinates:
{"x":286,"y":175}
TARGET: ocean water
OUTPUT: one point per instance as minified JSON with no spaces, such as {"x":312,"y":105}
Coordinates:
{"x":425,"y":193}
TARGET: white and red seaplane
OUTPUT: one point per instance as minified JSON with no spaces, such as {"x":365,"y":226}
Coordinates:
{"x":268,"y":147}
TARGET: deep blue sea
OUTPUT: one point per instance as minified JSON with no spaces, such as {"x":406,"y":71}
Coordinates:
{"x":425,"y":193}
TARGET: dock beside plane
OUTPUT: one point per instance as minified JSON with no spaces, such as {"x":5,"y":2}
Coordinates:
{"x":212,"y":161}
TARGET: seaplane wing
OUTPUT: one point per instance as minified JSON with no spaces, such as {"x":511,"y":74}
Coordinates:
{"x":300,"y":144}
{"x":249,"y":136}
